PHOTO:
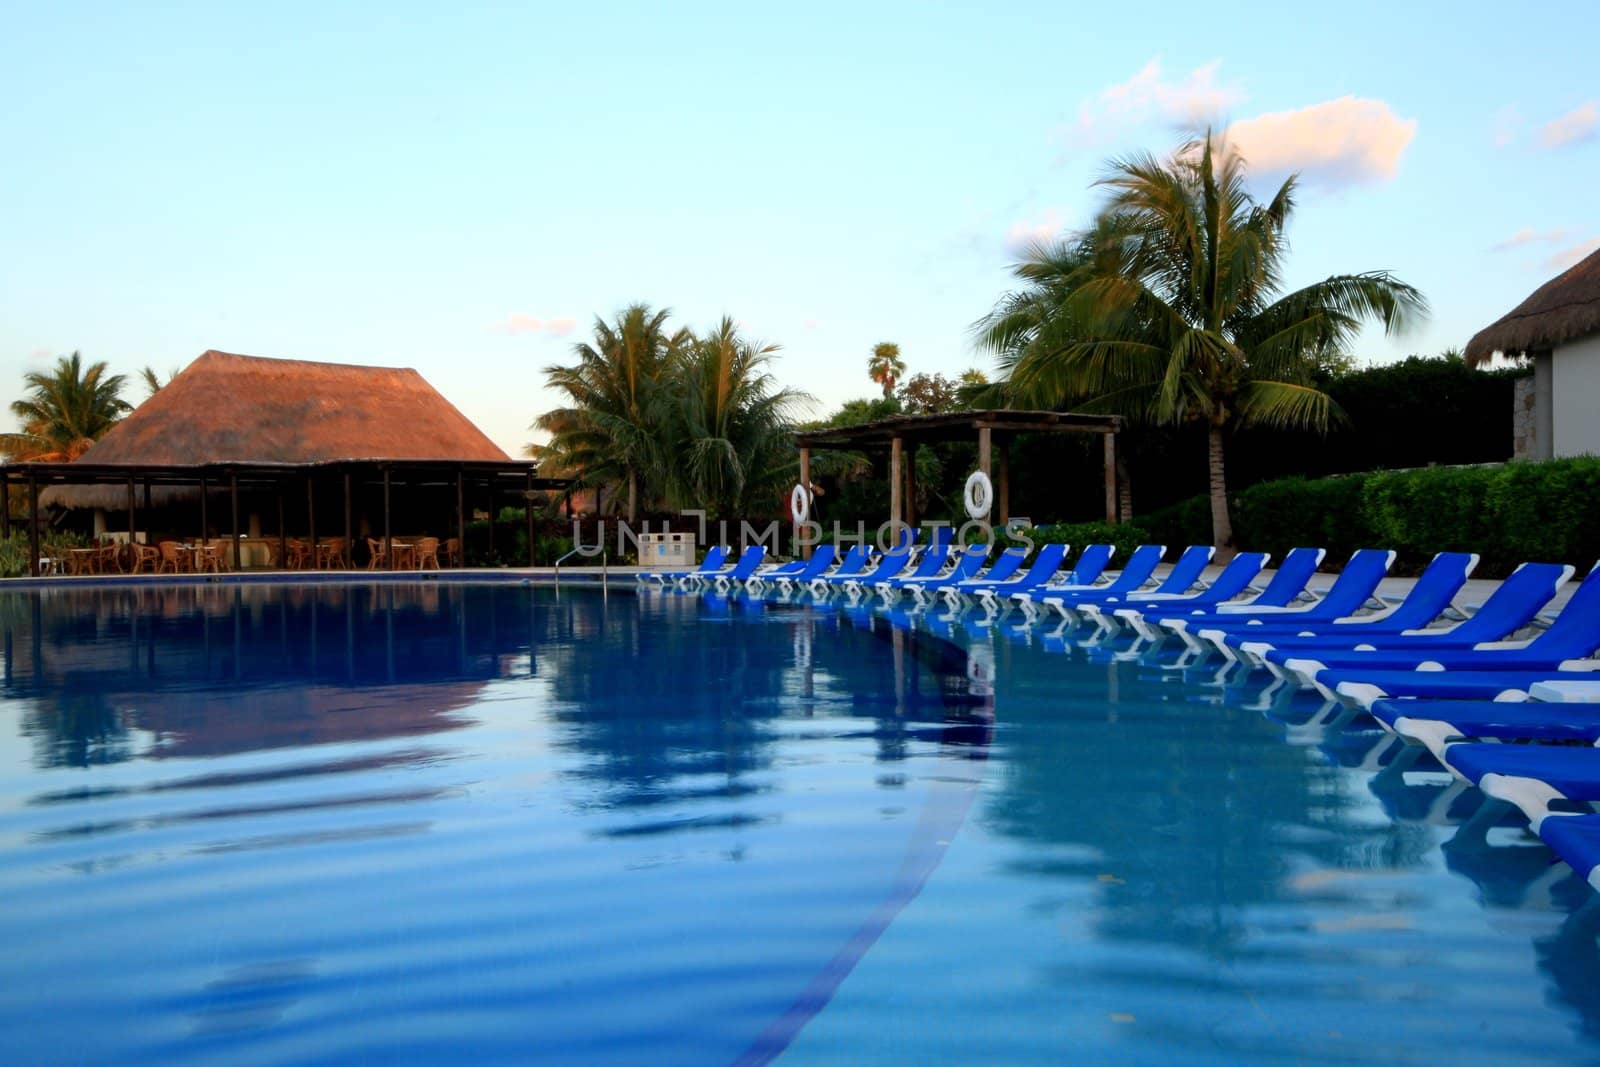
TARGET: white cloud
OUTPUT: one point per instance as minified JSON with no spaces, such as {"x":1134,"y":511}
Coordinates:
{"x":1146,"y":97}
{"x":1024,"y":233}
{"x":1571,"y":255}
{"x":811,"y":325}
{"x":1337,"y":142}
{"x":1507,"y":126}
{"x":1579,"y":124}
{"x":520,"y":323}
{"x":1530,"y":236}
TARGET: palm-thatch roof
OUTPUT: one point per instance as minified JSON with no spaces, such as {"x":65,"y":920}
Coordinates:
{"x":226,"y":408}
{"x":1563,"y":309}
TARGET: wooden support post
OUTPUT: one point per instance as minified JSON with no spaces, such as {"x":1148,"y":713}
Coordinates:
{"x":33,"y":539}
{"x":896,"y":479}
{"x":388,"y":534}
{"x":1111,"y":476}
{"x":349,"y":523}
{"x":283,"y":534}
{"x":147,"y":494}
{"x":985,"y":451}
{"x":527,"y":511}
{"x":205,"y":520}
{"x":911,"y":487}
{"x":491,"y":519}
{"x":461,"y":516}
{"x":133,"y":527}
{"x":1002,"y":489}
{"x":311,"y":518}
{"x":233,"y":503}
{"x":805,"y":480}
{"x":5,"y":504}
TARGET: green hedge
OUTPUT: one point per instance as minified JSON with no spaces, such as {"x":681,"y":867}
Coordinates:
{"x":1507,"y":514}
{"x":1124,"y":536}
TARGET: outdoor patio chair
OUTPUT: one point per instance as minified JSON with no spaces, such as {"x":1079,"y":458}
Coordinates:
{"x":1234,"y":580}
{"x":716,"y":558}
{"x":378,"y":554}
{"x":749,"y":562}
{"x":1566,"y":645}
{"x":451,"y":552}
{"x":208,"y":557}
{"x":1531,"y":777}
{"x":144,"y":555}
{"x":427,"y":553}
{"x":821,"y":559}
{"x":888,"y":565}
{"x":109,"y":558}
{"x":1046,"y":562}
{"x":300,"y":553}
{"x":1362,"y":690}
{"x":1142,"y":563}
{"x":1576,"y":839}
{"x":1513,"y":606}
{"x":968,"y":564}
{"x":174,"y":560}
{"x":333,"y":554}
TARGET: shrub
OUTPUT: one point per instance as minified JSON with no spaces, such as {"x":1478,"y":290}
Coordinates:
{"x":1125,"y":537}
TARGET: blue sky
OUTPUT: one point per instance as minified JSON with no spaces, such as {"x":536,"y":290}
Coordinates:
{"x":462,"y":191}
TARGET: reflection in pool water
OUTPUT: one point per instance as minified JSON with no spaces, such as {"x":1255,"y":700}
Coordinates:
{"x":485,"y":822}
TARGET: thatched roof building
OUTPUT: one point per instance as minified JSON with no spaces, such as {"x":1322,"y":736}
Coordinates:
{"x":225,"y":408}
{"x":1562,"y":310}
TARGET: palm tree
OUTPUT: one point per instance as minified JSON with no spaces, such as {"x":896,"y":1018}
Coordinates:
{"x":885,"y":366}
{"x":729,"y":426}
{"x":152,"y":381}
{"x":65,"y":411}
{"x":606,"y":436}
{"x":1168,"y":308}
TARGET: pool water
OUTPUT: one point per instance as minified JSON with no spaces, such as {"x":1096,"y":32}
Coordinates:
{"x":498,"y":823}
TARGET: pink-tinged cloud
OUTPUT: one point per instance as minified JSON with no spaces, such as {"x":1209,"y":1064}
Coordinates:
{"x":1337,"y":142}
{"x":1573,"y":255}
{"x":1025,"y":233}
{"x":520,"y":323}
{"x":1530,"y":236}
{"x":1146,"y":97}
{"x":1579,"y":124}
{"x":1506,"y":126}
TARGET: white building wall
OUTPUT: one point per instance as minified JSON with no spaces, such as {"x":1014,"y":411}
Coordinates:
{"x":1575,"y":398}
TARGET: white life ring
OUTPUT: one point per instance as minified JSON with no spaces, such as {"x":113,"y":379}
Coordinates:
{"x":799,"y":503}
{"x":979,"y":495}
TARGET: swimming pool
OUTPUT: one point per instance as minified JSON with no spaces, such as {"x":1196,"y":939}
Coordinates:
{"x":264,"y":824}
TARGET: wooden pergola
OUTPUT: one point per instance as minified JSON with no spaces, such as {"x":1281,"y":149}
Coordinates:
{"x":991,"y":428}
{"x":474,"y":481}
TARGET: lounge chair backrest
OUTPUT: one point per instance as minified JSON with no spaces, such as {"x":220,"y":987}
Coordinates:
{"x":1187,"y":570}
{"x":748,"y":562}
{"x":933,"y":560}
{"x":855,"y":561}
{"x":1576,"y":631}
{"x":821,"y":559}
{"x":1004,"y":567}
{"x":1514,"y":603}
{"x":1435,"y":588}
{"x":889,"y":565}
{"x":968,"y":564}
{"x":1355,"y":584}
{"x":716,"y":559}
{"x":1091,"y":564}
{"x":1140,"y":566}
{"x":1044,"y":566}
{"x":943,"y":537}
{"x":1236,"y":576}
{"x":1291,"y":577}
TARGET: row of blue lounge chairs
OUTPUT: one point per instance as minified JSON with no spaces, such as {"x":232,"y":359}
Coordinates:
{"x":1464,"y":682}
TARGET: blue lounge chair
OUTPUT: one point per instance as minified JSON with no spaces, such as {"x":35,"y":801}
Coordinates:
{"x":821,"y":559}
{"x":1087,"y":573}
{"x":1533,"y":777}
{"x":1142,"y":563}
{"x":1234,"y":580}
{"x":1430,"y":597}
{"x":1576,"y":839}
{"x":749,"y":562}
{"x":1513,"y":605}
{"x":1365,"y":688}
{"x":1044,"y":566}
{"x":933,"y":561}
{"x":968,"y":564}
{"x":889,"y":564}
{"x":716,"y":559}
{"x":1351,"y":591}
{"x":1005,"y":565}
{"x":1437,"y":724}
{"x":1178,"y":582}
{"x":1573,"y":636}
{"x":856,"y":561}
{"x":1287,"y":586}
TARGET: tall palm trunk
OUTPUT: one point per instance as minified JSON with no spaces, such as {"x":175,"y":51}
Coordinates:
{"x":1221,"y":526}
{"x":633,"y":496}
